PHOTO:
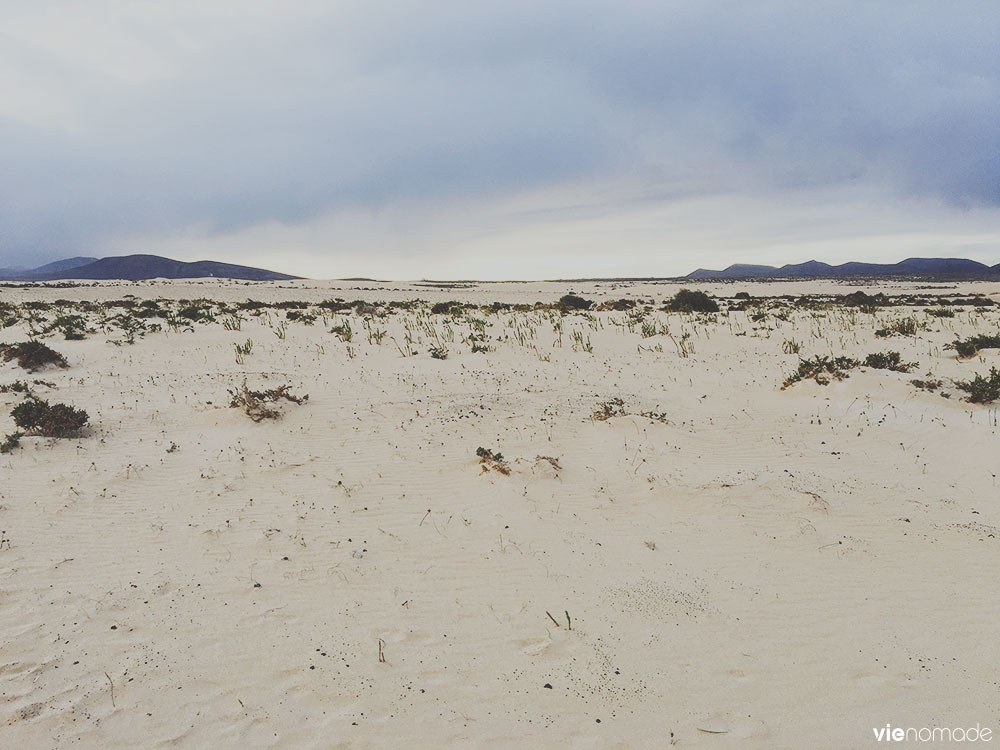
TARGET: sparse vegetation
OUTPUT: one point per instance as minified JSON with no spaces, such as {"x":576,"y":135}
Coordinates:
{"x":343,"y":331}
{"x":243,"y":351}
{"x":822,"y":370}
{"x":926,"y":385}
{"x":907,"y":326}
{"x":607,"y":409}
{"x":941,"y":312}
{"x":72,"y":327}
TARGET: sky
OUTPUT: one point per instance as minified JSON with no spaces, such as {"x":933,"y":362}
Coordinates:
{"x":499,"y":140}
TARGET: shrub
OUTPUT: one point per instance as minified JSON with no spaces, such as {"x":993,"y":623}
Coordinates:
{"x":447,"y":308}
{"x":255,"y":403}
{"x":903,"y":327}
{"x":72,"y":327}
{"x":982,"y":390}
{"x":439,"y":352}
{"x":608,"y":409}
{"x":687,"y":301}
{"x":870,"y":302}
{"x":344,"y":331}
{"x":11,"y":441}
{"x":32,"y":355}
{"x":573,"y":302}
{"x":39,"y":417}
{"x":969,"y":347}
{"x":491,"y":460}
{"x":822,"y":369}
{"x":926,"y":385}
{"x":889,"y":361}
{"x":618,"y":305}
{"x":196,"y":314}
{"x":941,"y":312}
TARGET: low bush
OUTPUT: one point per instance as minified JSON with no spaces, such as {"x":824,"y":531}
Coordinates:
{"x":889,"y":361}
{"x":255,"y":403}
{"x":573,"y":302}
{"x":969,"y":347}
{"x":903,"y":327}
{"x":39,"y":417}
{"x":982,"y":390}
{"x":32,"y":355}
{"x":692,"y":301}
{"x":447,"y":308}
{"x":492,"y":461}
{"x":11,"y":441}
{"x":822,"y":370}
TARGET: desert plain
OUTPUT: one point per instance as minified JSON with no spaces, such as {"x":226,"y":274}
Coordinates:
{"x":498,"y":521}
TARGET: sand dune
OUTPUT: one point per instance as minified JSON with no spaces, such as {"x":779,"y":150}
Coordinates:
{"x":723,"y":564}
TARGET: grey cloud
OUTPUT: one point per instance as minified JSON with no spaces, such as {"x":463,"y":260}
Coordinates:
{"x":318,"y":110}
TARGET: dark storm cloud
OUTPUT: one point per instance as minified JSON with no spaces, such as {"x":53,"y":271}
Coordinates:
{"x":238,"y":115}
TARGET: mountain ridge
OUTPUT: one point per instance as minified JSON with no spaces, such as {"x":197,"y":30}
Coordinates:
{"x":817,"y":269}
{"x":140,"y":267}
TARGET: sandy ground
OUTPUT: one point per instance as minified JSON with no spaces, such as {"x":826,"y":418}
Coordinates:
{"x":756,"y":568}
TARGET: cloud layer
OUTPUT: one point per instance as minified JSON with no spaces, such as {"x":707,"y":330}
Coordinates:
{"x":366,"y":134}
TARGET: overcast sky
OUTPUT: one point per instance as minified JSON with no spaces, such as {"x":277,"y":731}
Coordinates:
{"x":499,"y":139}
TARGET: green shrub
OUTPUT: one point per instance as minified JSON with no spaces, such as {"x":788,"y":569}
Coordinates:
{"x":688,"y":301}
{"x":72,"y":327}
{"x":982,"y":390}
{"x":32,"y":355}
{"x":889,"y":361}
{"x":572,"y":302}
{"x":11,"y":441}
{"x":196,"y":314}
{"x":447,"y":308}
{"x":822,"y":369}
{"x":39,"y":417}
{"x":969,"y":347}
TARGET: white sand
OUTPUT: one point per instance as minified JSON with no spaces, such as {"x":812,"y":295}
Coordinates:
{"x":787,"y":568}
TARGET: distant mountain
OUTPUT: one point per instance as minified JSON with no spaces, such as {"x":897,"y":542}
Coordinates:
{"x":815,"y":269}
{"x":61,"y":265}
{"x":139,"y":267}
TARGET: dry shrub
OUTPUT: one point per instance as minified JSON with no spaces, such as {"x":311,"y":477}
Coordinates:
{"x":492,"y":461}
{"x":255,"y":403}
{"x":608,"y":409}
